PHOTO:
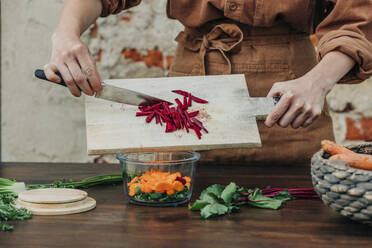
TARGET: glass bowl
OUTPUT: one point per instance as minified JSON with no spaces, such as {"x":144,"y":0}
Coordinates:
{"x":158,"y":178}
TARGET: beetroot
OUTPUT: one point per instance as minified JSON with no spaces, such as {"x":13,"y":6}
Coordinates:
{"x":175,"y":118}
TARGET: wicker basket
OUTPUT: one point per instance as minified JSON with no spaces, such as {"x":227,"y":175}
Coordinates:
{"x":345,"y":189}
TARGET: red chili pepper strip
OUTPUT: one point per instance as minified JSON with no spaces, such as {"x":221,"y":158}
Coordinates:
{"x":157,"y":118}
{"x":193,"y":114}
{"x":149,"y":118}
{"x":180,"y":92}
{"x":199,"y":100}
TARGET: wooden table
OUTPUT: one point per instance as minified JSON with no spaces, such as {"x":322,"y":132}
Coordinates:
{"x":114,"y":223}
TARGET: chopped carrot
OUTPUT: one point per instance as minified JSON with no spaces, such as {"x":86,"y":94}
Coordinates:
{"x":162,"y":187}
{"x":355,"y":160}
{"x":159,"y":181}
{"x":333,"y":148}
{"x":187,"y":179}
{"x":178,"y":186}
{"x":170,"y":191}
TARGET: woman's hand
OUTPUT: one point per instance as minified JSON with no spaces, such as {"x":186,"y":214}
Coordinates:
{"x":302,"y":99}
{"x":300,"y":104}
{"x":71,"y":57}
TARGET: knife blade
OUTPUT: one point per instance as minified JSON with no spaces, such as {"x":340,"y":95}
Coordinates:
{"x":113,"y":93}
{"x":259,"y":107}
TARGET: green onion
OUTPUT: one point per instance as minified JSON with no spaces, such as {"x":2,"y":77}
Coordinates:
{"x":85,"y":183}
{"x":10,"y":186}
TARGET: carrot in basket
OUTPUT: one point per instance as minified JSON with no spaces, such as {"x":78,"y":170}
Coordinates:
{"x":355,"y":160}
{"x":333,"y":148}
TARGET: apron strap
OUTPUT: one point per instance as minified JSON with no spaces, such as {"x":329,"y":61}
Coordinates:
{"x":225,"y":38}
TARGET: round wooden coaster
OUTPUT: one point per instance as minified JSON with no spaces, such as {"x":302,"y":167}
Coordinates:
{"x":52,"y":195}
{"x":57,"y":208}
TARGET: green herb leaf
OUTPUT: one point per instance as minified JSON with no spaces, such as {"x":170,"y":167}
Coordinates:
{"x":209,"y":197}
{"x":215,"y":190}
{"x":258,"y":200}
{"x":213,"y":210}
{"x":9,"y":212}
{"x":228,"y":193}
{"x":199,"y":204}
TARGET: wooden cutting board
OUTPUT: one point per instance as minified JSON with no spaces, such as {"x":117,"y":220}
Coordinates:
{"x":52,"y":195}
{"x":113,"y":127}
{"x":57,"y":208}
{"x":55,"y":201}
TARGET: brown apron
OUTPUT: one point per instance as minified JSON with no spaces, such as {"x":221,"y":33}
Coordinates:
{"x":265,"y":56}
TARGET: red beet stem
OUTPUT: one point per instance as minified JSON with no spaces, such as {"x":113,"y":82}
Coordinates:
{"x":199,"y":100}
{"x":150,"y":117}
{"x":143,"y":113}
{"x":189,"y":100}
{"x":180,"y":92}
{"x":193,"y":114}
{"x":179,"y":103}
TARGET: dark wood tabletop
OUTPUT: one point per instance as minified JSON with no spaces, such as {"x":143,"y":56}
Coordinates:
{"x":115,"y":223}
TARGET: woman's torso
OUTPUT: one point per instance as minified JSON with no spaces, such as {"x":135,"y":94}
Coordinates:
{"x":302,"y":15}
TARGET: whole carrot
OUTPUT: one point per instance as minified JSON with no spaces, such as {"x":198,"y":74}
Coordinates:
{"x":333,"y":148}
{"x":355,"y":160}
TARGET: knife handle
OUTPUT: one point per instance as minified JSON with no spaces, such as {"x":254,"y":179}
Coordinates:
{"x":40,"y":74}
{"x":276,"y":99}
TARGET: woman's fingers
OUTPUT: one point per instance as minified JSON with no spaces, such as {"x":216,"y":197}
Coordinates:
{"x":79,"y":77}
{"x":280,"y":108}
{"x":67,"y":77}
{"x":50,"y":71}
{"x":306,"y":118}
{"x":295,"y":110}
{"x":315,"y":114}
{"x":88,"y":67}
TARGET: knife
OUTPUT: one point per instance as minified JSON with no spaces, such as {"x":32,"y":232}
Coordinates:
{"x":113,"y":93}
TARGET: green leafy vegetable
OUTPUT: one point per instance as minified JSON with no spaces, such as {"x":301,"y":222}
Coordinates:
{"x":220,"y":200}
{"x":9,"y":212}
{"x":156,"y":197}
{"x":228,"y":193}
{"x":213,"y":210}
{"x":85,"y":183}
{"x":9,"y":190}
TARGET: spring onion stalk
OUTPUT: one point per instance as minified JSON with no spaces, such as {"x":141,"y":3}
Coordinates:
{"x":85,"y":183}
{"x":9,"y":186}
